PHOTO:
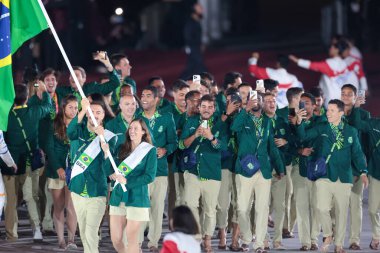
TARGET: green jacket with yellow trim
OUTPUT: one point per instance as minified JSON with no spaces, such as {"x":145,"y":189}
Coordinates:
{"x":339,"y":164}
{"x":164,"y":136}
{"x":95,"y":176}
{"x":247,"y":141}
{"x":30,"y":117}
{"x":371,"y":127}
{"x":137,"y":194}
{"x":208,"y":155}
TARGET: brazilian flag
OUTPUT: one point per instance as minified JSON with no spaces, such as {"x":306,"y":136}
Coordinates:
{"x":20,"y":20}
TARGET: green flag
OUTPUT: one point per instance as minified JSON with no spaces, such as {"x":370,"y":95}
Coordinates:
{"x":19,"y":21}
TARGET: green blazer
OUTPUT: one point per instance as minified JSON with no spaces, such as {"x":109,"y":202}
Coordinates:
{"x":315,"y":143}
{"x":165,"y":105}
{"x":119,"y":127}
{"x":45,"y":127}
{"x":30,"y":117}
{"x":229,"y":155}
{"x":221,"y":103}
{"x":95,"y":176}
{"x":247,"y":141}
{"x":137,"y":194}
{"x":164,"y":136}
{"x":58,"y":151}
{"x":89,"y":88}
{"x":339,"y":165}
{"x":371,"y":127}
{"x":281,"y":129}
{"x":208,"y":156}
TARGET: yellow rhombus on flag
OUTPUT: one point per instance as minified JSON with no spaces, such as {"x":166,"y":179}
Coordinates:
{"x":20,"y":20}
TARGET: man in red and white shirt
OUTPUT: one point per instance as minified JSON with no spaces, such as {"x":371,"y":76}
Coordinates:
{"x":335,"y":72}
{"x":280,"y":74}
{"x":355,"y":66}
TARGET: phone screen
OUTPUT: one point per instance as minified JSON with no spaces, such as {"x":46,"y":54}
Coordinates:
{"x":302,"y":105}
{"x":292,"y":112}
{"x":361,"y":93}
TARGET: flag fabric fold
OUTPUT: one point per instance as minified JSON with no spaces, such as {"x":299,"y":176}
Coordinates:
{"x":19,"y":21}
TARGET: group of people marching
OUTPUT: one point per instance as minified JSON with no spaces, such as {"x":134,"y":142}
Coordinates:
{"x":236,"y":157}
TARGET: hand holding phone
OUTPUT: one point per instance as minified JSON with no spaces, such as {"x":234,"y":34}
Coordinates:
{"x":253,"y":94}
{"x":204,"y":124}
{"x":196,"y":85}
{"x":260,"y":85}
{"x":361,"y":93}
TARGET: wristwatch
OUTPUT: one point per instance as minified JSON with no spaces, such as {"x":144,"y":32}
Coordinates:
{"x":213,"y":138}
{"x":225,"y":113}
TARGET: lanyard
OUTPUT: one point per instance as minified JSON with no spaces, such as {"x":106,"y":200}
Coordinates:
{"x":338,"y":139}
{"x":22,"y":128}
{"x":19,"y":107}
{"x":152,"y":121}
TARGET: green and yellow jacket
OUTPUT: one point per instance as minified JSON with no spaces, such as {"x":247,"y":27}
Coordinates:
{"x":248,"y":140}
{"x":347,"y":149}
{"x":371,"y":127}
{"x":137,"y":194}
{"x":93,"y":181}
{"x":208,"y":155}
{"x":164,"y":136}
{"x":30,"y":117}
{"x":89,"y":88}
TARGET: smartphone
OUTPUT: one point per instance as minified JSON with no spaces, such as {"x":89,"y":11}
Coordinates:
{"x":196,"y":79}
{"x":36,"y":85}
{"x":259,"y":84}
{"x":204,"y":124}
{"x":302,"y":105}
{"x":98,"y":55}
{"x":253,"y":94}
{"x":361,"y":93}
{"x":235,"y":98}
{"x":292,"y":112}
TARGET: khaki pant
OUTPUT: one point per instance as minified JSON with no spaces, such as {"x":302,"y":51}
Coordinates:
{"x":248,"y":189}
{"x":89,"y":212}
{"x":290,"y":203}
{"x":208,"y":191}
{"x":28,"y":182}
{"x":278,"y":194}
{"x":157,"y":191}
{"x":356,"y":211}
{"x":46,"y":204}
{"x":179,"y":184}
{"x":374,"y":206}
{"x":335,"y":194}
{"x":227,"y":196}
{"x":307,"y":218}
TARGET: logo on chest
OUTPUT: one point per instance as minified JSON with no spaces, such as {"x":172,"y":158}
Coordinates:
{"x":350,"y":140}
{"x":160,"y":129}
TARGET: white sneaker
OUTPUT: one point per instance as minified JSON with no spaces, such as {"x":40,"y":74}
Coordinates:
{"x":37,"y":236}
{"x":71,"y":246}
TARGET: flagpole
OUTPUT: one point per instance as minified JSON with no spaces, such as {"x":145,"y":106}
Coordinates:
{"x":51,"y":26}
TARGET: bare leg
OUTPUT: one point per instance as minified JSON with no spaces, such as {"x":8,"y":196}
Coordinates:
{"x":117,"y":226}
{"x":59,"y":214}
{"x":133,"y":228}
{"x":71,"y":219}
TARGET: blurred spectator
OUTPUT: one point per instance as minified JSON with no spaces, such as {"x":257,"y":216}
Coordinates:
{"x":183,"y":227}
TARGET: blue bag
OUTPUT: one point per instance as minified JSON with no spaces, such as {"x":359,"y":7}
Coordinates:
{"x":250,"y":164}
{"x":316,"y":169}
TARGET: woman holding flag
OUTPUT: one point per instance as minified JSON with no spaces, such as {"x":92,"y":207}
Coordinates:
{"x":137,"y":159}
{"x":88,"y":184}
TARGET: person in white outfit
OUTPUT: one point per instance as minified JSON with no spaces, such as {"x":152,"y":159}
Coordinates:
{"x":7,"y":158}
{"x":335,"y":72}
{"x":280,"y":74}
